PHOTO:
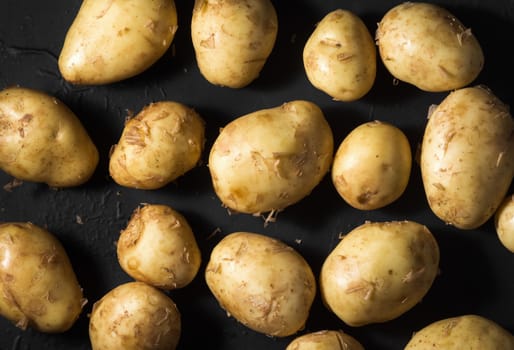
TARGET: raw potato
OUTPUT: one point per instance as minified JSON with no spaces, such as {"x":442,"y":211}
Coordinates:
{"x":110,"y":41}
{"x":504,"y":223}
{"x":42,"y":140}
{"x":159,"y":247}
{"x":462,"y":332}
{"x":38,"y":286}
{"x":425,"y":45}
{"x":135,"y":316}
{"x":372,"y":165}
{"x":340,"y":56}
{"x":162,"y":142}
{"x":325,"y":340}
{"x":261,"y":282}
{"x":467,"y":156}
{"x":379,"y":271}
{"x":233,"y":39}
{"x":270,"y":159}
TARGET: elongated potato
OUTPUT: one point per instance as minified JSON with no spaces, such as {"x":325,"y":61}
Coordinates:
{"x":38,"y":286}
{"x":42,"y":140}
{"x":467,"y":156}
{"x":325,"y":340}
{"x":261,"y":282}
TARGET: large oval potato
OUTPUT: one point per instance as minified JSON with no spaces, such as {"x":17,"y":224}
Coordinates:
{"x":339,"y":56}
{"x":261,"y":282}
{"x":325,"y":340}
{"x":462,"y":332}
{"x":379,"y":271}
{"x":135,"y":316}
{"x":467,"y":156}
{"x":38,"y":286}
{"x":161,"y":143}
{"x":372,"y":165}
{"x":42,"y":140}
{"x":232,"y":40}
{"x":159,"y":247}
{"x":272,"y":158}
{"x":110,"y":41}
{"x":425,"y":45}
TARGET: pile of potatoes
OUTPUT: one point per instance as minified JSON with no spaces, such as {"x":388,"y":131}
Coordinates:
{"x":260,"y":164}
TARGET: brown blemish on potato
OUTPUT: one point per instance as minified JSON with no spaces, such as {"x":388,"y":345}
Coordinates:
{"x":209,"y":43}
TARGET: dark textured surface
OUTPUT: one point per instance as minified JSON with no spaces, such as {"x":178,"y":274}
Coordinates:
{"x":476,"y":271}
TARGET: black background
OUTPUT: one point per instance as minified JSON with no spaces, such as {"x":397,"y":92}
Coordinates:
{"x":476,"y":270}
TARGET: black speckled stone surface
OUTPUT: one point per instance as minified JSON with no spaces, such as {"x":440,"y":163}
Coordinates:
{"x":476,"y":270}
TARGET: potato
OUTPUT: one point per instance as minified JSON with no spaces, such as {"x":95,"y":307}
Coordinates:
{"x":162,"y":142}
{"x":467,"y":156}
{"x":504,"y":222}
{"x":135,"y":316}
{"x":379,"y":271}
{"x":372,"y":165}
{"x":159,"y":247}
{"x":325,"y":340}
{"x":272,"y":158}
{"x":110,"y":41}
{"x":339,"y":56}
{"x":425,"y":45}
{"x":232,"y":40}
{"x":462,"y":332}
{"x":261,"y":282}
{"x":38,"y":286}
{"x":42,"y":140}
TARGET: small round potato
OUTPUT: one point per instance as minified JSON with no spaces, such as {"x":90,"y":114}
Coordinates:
{"x":159,"y":247}
{"x":325,"y":340}
{"x":504,"y":223}
{"x":39,"y":288}
{"x":462,"y":332}
{"x":42,"y":140}
{"x":372,"y":165}
{"x":232,"y":40}
{"x":162,"y":142}
{"x":135,"y":316}
{"x":340,"y":56}
{"x":379,"y":271}
{"x":261,"y":282}
{"x":272,"y":158}
{"x":425,"y":45}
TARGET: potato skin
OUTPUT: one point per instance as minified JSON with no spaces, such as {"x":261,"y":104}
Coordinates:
{"x":135,"y":316}
{"x":462,"y":332}
{"x":379,"y":271}
{"x":39,"y":288}
{"x":467,"y":156}
{"x":162,"y":142}
{"x":272,"y":158}
{"x":158,"y":247}
{"x":504,"y":223}
{"x":372,"y":165}
{"x":261,"y":282}
{"x":339,"y":56}
{"x":42,"y":140}
{"x":425,"y":45}
{"x":110,"y":41}
{"x":325,"y":340}
{"x":233,"y":39}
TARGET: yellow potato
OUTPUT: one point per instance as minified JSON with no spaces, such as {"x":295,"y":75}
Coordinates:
{"x":272,"y":158}
{"x":134,"y":316}
{"x":462,"y":332}
{"x":339,"y":56}
{"x":372,"y":165}
{"x":379,"y":271}
{"x":467,"y":156}
{"x":425,"y":45}
{"x":161,"y":143}
{"x":110,"y":41}
{"x":39,"y":288}
{"x":504,"y":222}
{"x":159,"y":247}
{"x":42,"y":140}
{"x":325,"y":340}
{"x":261,"y":282}
{"x":233,"y":39}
